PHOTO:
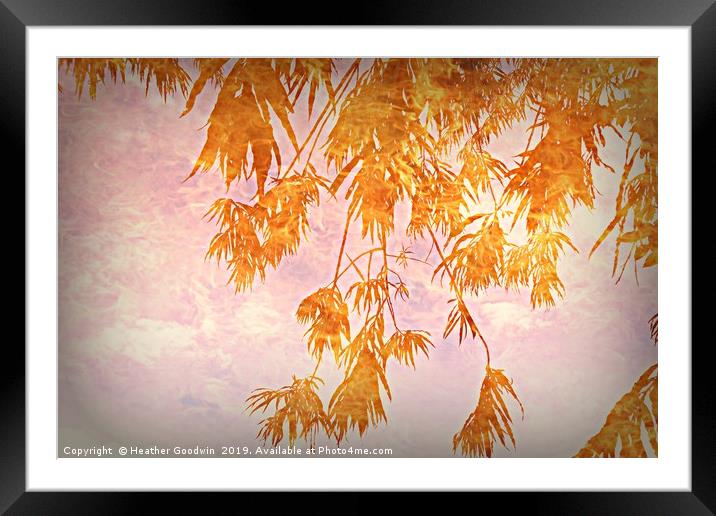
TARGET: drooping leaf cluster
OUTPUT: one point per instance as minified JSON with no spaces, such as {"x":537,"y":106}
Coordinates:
{"x":491,"y":420}
{"x":633,"y":417}
{"x":296,"y":405}
{"x":636,"y":217}
{"x":634,"y":420}
{"x":168,"y":75}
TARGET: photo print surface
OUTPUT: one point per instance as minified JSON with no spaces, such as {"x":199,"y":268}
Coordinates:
{"x":358,"y":257}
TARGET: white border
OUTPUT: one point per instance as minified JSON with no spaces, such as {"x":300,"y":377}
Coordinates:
{"x":670,"y":471}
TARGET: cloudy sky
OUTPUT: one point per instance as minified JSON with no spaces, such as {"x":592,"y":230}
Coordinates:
{"x":155,"y":348}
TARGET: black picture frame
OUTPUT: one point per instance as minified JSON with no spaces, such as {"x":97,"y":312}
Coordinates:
{"x":17,"y":15}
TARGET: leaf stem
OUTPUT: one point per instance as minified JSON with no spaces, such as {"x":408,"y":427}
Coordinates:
{"x":386,"y":285}
{"x":342,"y":85}
{"x":458,"y":295}
{"x":375,"y":250}
{"x":343,"y":246}
{"x":318,"y":363}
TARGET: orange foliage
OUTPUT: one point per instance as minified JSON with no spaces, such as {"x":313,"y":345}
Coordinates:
{"x":415,"y":131}
{"x":634,"y":420}
{"x":294,"y":405}
{"x":490,"y":419}
{"x":622,"y":434}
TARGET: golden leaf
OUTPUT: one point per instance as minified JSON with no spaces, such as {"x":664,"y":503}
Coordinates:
{"x":294,"y":405}
{"x":370,"y":337}
{"x":169,"y":77}
{"x":622,"y":433}
{"x":210,"y":69}
{"x":93,"y":71}
{"x":356,"y":401}
{"x":237,"y":242}
{"x":654,"y":328}
{"x":367,"y":294}
{"x":283,"y":211}
{"x":316,"y":72}
{"x":240,"y":122}
{"x":476,"y":258}
{"x":327,"y":313}
{"x":491,"y":419}
{"x":460,"y":315}
{"x":535,"y":264}
{"x":404,"y":345}
{"x":638,"y":193}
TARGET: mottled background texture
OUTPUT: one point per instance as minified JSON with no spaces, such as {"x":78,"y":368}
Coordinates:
{"x":156,"y":349}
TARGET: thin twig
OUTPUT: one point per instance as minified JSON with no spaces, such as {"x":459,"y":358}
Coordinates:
{"x":342,"y":85}
{"x":343,"y":246}
{"x":458,"y":294}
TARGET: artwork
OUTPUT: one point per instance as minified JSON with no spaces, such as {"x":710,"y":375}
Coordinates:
{"x":423,"y":257}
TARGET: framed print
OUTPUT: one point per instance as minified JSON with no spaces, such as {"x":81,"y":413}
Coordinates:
{"x":359,"y":258}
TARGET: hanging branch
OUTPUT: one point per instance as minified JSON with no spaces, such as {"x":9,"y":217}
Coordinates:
{"x":462,"y":314}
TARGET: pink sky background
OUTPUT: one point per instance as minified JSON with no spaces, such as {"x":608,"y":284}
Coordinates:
{"x":155,"y":348}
